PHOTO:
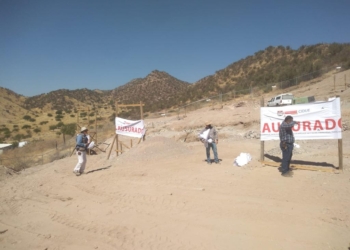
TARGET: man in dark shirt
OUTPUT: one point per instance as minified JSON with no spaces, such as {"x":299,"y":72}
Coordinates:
{"x":286,"y":142}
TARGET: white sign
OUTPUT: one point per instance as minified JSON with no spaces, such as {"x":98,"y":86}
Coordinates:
{"x":129,"y":128}
{"x":319,"y":120}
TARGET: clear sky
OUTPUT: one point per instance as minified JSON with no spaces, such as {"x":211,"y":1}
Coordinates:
{"x":47,"y":45}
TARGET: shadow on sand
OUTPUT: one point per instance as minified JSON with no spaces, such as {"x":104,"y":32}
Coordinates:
{"x":98,"y":169}
{"x":299,"y":162}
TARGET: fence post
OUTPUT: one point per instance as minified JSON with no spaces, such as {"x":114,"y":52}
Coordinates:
{"x":345,"y":80}
{"x":221,"y":100}
{"x":262,"y":143}
{"x":340,"y":153}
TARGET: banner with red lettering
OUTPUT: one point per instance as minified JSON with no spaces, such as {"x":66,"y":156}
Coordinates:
{"x":129,"y":128}
{"x":318,"y":120}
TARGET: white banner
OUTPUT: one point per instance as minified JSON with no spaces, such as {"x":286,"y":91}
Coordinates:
{"x":129,"y":128}
{"x":318,"y":120}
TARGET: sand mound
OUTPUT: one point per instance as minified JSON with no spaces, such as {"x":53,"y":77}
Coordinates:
{"x":156,"y":148}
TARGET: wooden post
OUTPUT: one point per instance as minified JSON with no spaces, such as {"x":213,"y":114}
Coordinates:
{"x":141,"y":110}
{"x":110,"y":150}
{"x":121,"y":148}
{"x":345,"y":80}
{"x":78,"y":121}
{"x":221,"y":100}
{"x":117,"y":140}
{"x":262,"y":143}
{"x":340,"y":153}
{"x":334,"y":82}
{"x":96,"y":127}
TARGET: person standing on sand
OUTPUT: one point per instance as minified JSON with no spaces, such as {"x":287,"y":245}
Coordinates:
{"x":209,"y":136}
{"x":286,"y":143}
{"x":81,"y":148}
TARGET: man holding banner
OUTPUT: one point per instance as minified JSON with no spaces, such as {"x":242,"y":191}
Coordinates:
{"x":286,"y":142}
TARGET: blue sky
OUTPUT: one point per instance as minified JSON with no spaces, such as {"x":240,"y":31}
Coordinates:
{"x":47,"y":45}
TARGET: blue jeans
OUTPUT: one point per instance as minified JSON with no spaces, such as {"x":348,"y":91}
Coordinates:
{"x":286,"y":156}
{"x":215,"y":150}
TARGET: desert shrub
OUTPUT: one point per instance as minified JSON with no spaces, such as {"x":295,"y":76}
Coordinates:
{"x":99,"y":118}
{"x":68,"y":129}
{"x":59,"y":112}
{"x":15,"y":126}
{"x":27,"y":117}
{"x":44,"y":122}
{"x":49,"y":115}
{"x":32,"y":120}
{"x":19,"y":137}
{"x":37,"y":130}
{"x":92,"y":114}
{"x":72,"y":115}
{"x":68,"y":111}
{"x":83,"y":114}
{"x":15,"y":144}
{"x":58,"y":133}
{"x":91,"y":121}
{"x":52,"y":127}
{"x":26,"y":126}
{"x":60,"y":124}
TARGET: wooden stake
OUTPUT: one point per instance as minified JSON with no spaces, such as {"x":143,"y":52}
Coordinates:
{"x":117,"y":140}
{"x":96,"y":126}
{"x":262,"y":143}
{"x":340,"y":153}
{"x":110,"y":150}
{"x":121,"y":148}
{"x":130,"y":143}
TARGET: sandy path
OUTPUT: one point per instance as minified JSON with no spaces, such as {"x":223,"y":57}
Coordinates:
{"x":175,"y":202}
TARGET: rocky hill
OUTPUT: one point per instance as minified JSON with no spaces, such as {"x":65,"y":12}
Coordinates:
{"x":157,"y":90}
{"x":274,"y":64}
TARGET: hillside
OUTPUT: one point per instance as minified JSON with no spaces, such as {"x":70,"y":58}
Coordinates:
{"x":272,"y":65}
{"x":159,"y":90}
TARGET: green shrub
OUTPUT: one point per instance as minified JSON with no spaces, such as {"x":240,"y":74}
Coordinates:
{"x":72,"y":115}
{"x":26,"y":126}
{"x":43,"y":122}
{"x":37,"y":130}
{"x":27,"y":117}
{"x":49,"y":114}
{"x":59,"y":112}
{"x":53,"y":127}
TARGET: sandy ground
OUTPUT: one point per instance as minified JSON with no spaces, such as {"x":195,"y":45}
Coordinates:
{"x":162,"y":195}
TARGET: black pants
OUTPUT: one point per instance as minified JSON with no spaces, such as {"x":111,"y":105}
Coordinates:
{"x":286,"y":156}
